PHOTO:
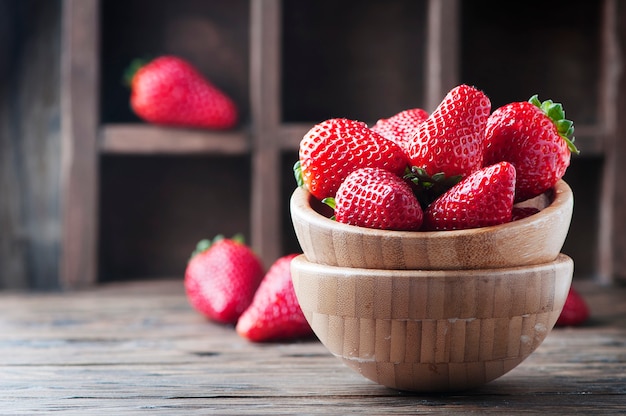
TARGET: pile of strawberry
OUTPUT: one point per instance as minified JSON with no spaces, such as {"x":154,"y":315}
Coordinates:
{"x":460,"y":167}
{"x":225,"y":281}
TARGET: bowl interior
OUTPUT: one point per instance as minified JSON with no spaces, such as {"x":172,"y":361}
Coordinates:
{"x":533,"y":240}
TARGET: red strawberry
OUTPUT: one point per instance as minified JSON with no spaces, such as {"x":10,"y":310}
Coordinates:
{"x":536,"y":138}
{"x":481,"y":199}
{"x":221,"y":278}
{"x":170,"y":91}
{"x":275,"y":313}
{"x":400,"y":127}
{"x":575,"y":311}
{"x":333,"y":149}
{"x":376,"y":198}
{"x":450,"y":140}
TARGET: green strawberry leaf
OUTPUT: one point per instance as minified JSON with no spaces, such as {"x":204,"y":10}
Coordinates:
{"x":556,"y":113}
{"x":330,"y":201}
{"x":427,"y":187}
{"x":132,"y":69}
{"x":297,"y":172}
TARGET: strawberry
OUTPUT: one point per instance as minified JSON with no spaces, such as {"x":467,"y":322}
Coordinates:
{"x":481,"y":199}
{"x":575,"y":311}
{"x":400,"y":127}
{"x":221,"y":278}
{"x":334,"y":148}
{"x":275,"y":313}
{"x":376,"y":198}
{"x":536,"y":138}
{"x":450,"y":140}
{"x":170,"y":91}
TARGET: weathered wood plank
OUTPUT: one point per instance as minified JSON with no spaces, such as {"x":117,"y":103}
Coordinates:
{"x":265,"y":74}
{"x":135,"y":138}
{"x":131,"y":348}
{"x":29,"y":144}
{"x":79,"y":176}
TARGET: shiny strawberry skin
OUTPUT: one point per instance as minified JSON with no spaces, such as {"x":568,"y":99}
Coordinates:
{"x":481,"y":199}
{"x":170,"y":91}
{"x":220,"y":281}
{"x":451,"y":139}
{"x":400,"y":127}
{"x":522,"y":134}
{"x":575,"y":311}
{"x":275,"y":313}
{"x":376,"y":198}
{"x":331,"y":150}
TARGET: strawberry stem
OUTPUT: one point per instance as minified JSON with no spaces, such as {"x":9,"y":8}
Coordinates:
{"x":132,"y":69}
{"x":556,"y":113}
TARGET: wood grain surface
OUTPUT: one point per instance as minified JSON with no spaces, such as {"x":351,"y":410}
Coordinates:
{"x":440,"y":330}
{"x":138,"y":348}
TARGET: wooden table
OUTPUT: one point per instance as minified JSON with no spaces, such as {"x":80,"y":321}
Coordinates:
{"x":138,"y":348}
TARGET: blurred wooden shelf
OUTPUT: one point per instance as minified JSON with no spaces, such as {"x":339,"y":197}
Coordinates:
{"x":259,"y":51}
{"x":138,"y":138}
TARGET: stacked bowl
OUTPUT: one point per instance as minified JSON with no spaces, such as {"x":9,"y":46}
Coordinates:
{"x":433,"y":311}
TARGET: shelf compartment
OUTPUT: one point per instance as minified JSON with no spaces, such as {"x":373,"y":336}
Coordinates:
{"x":154,"y":209}
{"x":356,"y":59}
{"x":514,"y":52}
{"x":212,"y":35}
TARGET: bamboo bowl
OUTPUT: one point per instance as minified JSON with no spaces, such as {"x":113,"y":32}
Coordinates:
{"x":432,"y":331}
{"x":536,"y":239}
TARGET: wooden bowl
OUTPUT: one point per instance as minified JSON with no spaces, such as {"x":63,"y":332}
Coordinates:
{"x":432,"y":330}
{"x":534,"y":240}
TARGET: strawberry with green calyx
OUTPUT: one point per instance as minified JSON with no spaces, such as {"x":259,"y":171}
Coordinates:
{"x":376,"y":198}
{"x":400,"y":127}
{"x":451,"y":140}
{"x":536,"y":138}
{"x":483,"y":198}
{"x":221,"y":278}
{"x":334,"y":148}
{"x":171,"y":91}
{"x":275,"y":313}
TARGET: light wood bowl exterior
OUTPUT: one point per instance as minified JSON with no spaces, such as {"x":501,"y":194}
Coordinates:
{"x":432,"y":330}
{"x":537,"y":239}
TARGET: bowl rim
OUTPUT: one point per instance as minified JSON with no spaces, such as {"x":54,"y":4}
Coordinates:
{"x":561,"y":196}
{"x":321,"y":270}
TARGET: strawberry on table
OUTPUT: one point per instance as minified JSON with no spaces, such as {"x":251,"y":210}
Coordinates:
{"x":400,"y":127}
{"x":170,"y":91}
{"x":275,"y":313}
{"x":575,"y":311}
{"x":536,"y":138}
{"x":376,"y":198}
{"x":221,"y":278}
{"x":481,"y":199}
{"x":450,"y":141}
{"x":334,"y":148}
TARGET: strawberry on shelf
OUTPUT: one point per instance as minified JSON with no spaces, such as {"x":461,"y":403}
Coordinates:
{"x":171,"y":91}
